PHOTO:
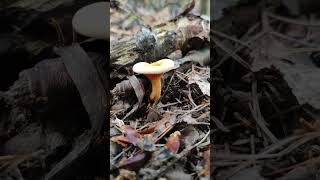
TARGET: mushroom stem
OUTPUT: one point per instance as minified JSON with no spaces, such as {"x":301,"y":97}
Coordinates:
{"x":155,"y":80}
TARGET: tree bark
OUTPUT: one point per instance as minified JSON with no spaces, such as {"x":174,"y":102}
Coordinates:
{"x":169,"y":37}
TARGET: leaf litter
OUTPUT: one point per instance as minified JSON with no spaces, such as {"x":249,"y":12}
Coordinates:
{"x":170,"y":141}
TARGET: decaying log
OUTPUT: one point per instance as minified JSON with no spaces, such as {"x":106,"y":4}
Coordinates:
{"x":149,"y":45}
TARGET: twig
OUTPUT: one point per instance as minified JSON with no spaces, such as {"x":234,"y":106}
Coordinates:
{"x":167,"y":87}
{"x":236,"y":169}
{"x":169,"y":104}
{"x":200,"y":142}
{"x":284,"y":112}
{"x":190,"y":97}
{"x":292,"y":21}
{"x":120,"y":154}
{"x":219,"y":124}
{"x":293,"y":39}
{"x":265,"y":155}
{"x":232,"y":54}
{"x":286,"y":169}
{"x":252,"y":144}
{"x":230,"y":38}
{"x":249,"y":41}
{"x":255,"y":110}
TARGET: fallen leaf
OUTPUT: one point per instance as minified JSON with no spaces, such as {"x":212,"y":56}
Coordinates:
{"x":189,"y":136}
{"x":134,"y":162}
{"x":129,"y":136}
{"x":147,"y":130}
{"x":173,"y":143}
{"x":202,"y":82}
{"x":301,"y":74}
{"x":120,"y":139}
{"x":132,"y":135}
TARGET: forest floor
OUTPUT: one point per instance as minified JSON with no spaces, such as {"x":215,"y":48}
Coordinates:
{"x":171,"y":140}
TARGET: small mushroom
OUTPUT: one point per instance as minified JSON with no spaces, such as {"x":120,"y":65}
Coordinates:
{"x":154,"y":72}
{"x":92,"y":20}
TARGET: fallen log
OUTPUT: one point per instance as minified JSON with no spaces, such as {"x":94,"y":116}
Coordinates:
{"x":150,"y":45}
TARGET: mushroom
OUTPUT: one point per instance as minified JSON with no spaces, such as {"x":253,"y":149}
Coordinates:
{"x":154,"y":72}
{"x":92,"y":20}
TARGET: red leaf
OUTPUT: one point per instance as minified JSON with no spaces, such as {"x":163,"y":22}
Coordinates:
{"x":148,"y":130}
{"x":173,"y":143}
{"x":120,"y":139}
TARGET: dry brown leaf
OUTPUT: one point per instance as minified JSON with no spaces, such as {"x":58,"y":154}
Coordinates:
{"x":120,"y":139}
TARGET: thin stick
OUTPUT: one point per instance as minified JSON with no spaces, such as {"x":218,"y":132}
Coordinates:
{"x":232,"y":54}
{"x":230,"y":38}
{"x":292,"y":21}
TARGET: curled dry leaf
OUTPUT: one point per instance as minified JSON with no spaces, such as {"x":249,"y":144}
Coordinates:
{"x":126,"y":87}
{"x":120,"y":139}
{"x":129,"y":136}
{"x":147,"y":130}
{"x":173,"y":143}
{"x":133,"y":162}
{"x":138,"y":87}
{"x":158,"y":126}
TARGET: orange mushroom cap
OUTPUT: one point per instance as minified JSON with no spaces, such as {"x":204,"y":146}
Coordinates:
{"x":154,"y":72}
